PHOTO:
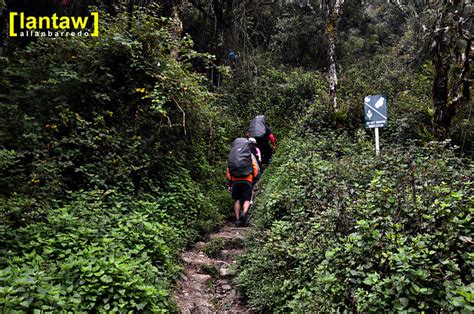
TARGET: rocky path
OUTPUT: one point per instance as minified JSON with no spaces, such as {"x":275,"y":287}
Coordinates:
{"x":207,"y":283}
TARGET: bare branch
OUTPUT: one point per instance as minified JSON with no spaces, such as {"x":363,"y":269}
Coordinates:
{"x":169,"y":121}
{"x":184,"y":115}
{"x":401,"y":9}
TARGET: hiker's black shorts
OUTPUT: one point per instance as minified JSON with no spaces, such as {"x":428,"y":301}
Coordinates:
{"x":242,"y":191}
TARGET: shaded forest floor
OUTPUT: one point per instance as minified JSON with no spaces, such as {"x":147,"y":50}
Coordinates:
{"x":206,"y":283}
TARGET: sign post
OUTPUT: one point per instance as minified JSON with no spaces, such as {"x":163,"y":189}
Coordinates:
{"x":377,"y":144}
{"x":375,"y":108}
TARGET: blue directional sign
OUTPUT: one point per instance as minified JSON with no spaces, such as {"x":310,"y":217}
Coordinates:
{"x":375,"y":111}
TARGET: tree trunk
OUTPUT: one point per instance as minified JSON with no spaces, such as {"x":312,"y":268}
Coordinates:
{"x":218,"y":37}
{"x":332,"y":73}
{"x":334,"y":12}
{"x":130,"y":14}
{"x":177,"y":30}
{"x":442,"y":117}
{"x":450,"y":89}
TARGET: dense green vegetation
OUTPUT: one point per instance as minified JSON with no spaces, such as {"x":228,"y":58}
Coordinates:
{"x":103,"y":180}
{"x":337,"y":229}
{"x":113,"y":153}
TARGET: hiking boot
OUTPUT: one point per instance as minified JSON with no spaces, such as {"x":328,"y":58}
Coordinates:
{"x":237,"y":223}
{"x":244,"y":220}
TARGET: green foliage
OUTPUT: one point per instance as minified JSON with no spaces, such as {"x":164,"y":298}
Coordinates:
{"x":112,"y":150}
{"x":409,"y":104}
{"x":337,"y":229}
{"x":297,"y":39}
{"x":103,"y":251}
{"x":210,"y":270}
{"x":214,"y":247}
{"x":280,"y":95}
{"x":107,"y":145}
{"x":77,"y":102}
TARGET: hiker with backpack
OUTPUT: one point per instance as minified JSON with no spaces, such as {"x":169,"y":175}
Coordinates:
{"x":264,"y":137}
{"x":242,"y":173}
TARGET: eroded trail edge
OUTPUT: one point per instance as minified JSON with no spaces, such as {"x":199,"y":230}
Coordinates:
{"x":207,"y":284}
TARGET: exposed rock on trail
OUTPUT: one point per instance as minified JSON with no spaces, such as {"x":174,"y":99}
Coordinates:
{"x":206,"y":285}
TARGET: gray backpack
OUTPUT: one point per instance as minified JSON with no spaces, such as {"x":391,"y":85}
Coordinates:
{"x":239,"y":159}
{"x":258,"y":127}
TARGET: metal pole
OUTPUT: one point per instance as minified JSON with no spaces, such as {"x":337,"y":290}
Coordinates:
{"x":377,"y":144}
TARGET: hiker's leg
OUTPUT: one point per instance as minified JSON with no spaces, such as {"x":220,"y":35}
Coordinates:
{"x":237,"y":209}
{"x":246,"y":207}
{"x":247,"y":191}
{"x":236,"y":196}
{"x":266,"y":153}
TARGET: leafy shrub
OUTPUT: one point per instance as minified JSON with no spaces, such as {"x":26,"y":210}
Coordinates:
{"x":103,"y":251}
{"x":337,"y":229}
{"x":210,"y":270}
{"x":214,"y":247}
{"x":106,"y":147}
{"x":281,"y":95}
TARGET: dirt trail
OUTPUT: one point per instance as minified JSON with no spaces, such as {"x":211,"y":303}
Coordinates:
{"x":206,"y":285}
